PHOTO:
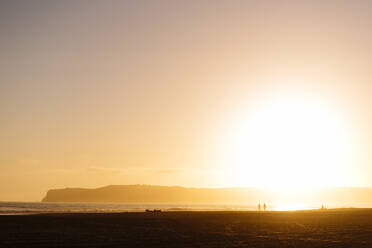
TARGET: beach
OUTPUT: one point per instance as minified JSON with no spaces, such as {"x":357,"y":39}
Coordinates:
{"x":329,"y":228}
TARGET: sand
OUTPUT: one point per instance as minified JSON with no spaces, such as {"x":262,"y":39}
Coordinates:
{"x":330,"y":228}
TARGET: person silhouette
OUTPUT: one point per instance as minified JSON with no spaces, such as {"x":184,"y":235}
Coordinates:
{"x":259,"y":206}
{"x":264,"y":206}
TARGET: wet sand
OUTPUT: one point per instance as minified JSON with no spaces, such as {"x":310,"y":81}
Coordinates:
{"x":331,"y":228}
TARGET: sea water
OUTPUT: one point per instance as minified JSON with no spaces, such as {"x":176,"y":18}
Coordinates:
{"x":41,"y":207}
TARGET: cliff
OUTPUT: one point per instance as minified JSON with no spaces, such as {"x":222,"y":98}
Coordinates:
{"x":164,"y":194}
{"x":147,"y":193}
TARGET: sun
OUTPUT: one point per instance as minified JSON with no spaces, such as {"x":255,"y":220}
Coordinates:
{"x":291,"y":143}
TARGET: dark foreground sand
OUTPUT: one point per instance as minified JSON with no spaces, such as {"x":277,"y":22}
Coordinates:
{"x":332,"y":228}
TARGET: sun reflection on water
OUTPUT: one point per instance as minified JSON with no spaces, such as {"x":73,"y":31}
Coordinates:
{"x":291,"y":207}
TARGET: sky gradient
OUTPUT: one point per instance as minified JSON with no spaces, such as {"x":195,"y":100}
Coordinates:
{"x":153,"y":92}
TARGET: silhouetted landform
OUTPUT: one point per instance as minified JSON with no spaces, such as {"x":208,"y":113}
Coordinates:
{"x":303,"y":229}
{"x":342,"y":197}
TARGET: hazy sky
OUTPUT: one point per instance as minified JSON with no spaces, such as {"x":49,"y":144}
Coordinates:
{"x":165,"y":92}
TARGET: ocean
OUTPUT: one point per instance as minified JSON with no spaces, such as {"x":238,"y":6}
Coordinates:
{"x":41,"y":207}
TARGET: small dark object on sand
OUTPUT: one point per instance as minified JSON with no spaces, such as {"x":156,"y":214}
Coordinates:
{"x":153,"y":211}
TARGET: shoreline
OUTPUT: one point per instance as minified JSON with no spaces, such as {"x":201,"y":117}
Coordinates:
{"x":57,"y":212}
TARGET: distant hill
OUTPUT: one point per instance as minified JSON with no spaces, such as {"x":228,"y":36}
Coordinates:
{"x":148,"y":193}
{"x":165,"y":194}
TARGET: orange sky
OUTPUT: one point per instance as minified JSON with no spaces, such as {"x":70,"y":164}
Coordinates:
{"x":137,"y":92}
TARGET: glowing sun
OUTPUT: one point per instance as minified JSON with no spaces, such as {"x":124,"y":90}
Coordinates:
{"x":291,"y":143}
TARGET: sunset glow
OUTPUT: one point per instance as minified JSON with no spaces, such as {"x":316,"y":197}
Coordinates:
{"x":225,"y":123}
{"x":270,"y":95}
{"x":290,"y":207}
{"x":292,"y":143}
